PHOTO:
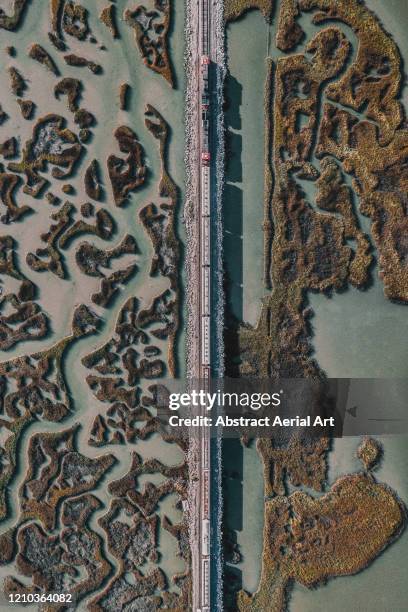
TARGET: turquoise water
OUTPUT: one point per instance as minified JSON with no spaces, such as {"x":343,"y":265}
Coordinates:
{"x":361,"y":334}
{"x":244,"y":490}
{"x":121,"y":62}
{"x":356,"y":334}
{"x":246,"y":42}
{"x":383,"y":586}
{"x":250,"y":539}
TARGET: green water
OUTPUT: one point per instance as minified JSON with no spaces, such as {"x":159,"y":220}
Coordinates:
{"x":244,"y":491}
{"x":121,"y":63}
{"x":356,"y":334}
{"x":383,"y":586}
{"x":362,"y":334}
{"x":250,"y":539}
{"x":246,"y":42}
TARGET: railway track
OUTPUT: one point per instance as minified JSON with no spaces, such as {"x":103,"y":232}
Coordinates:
{"x":202,"y":579}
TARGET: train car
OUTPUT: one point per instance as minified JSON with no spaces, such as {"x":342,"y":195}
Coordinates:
{"x":205,"y":62}
{"x":205,"y":340}
{"x":205,"y":537}
{"x":206,"y":583}
{"x":205,"y":110}
{"x":205,"y":191}
{"x":205,"y":293}
{"x":205,"y":144}
{"x":206,"y":158}
{"x":205,"y":97}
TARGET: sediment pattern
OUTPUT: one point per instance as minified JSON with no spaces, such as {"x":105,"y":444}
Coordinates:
{"x":92,"y":489}
{"x":309,"y":540}
{"x":233,"y":9}
{"x":151,"y":33}
{"x":333,"y":118}
{"x":311,"y":250}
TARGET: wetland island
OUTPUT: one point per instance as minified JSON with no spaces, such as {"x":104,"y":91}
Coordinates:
{"x":93,"y":492}
{"x":316,"y":282}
